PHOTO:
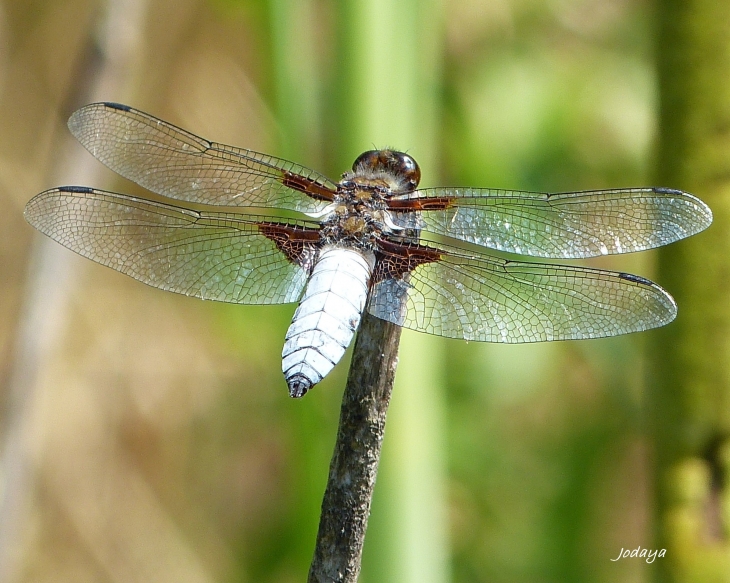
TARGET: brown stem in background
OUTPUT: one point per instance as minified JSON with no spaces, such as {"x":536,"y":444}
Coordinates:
{"x":346,"y":504}
{"x":104,"y":72}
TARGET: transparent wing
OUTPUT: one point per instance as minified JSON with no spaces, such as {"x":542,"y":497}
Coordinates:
{"x":567,"y":225}
{"x":213,"y":256}
{"x":180,"y":165}
{"x":487,"y":299}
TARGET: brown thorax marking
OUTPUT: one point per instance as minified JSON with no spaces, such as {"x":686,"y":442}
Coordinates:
{"x":354,"y":226}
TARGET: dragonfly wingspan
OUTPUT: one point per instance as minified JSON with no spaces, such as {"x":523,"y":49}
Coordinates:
{"x":369,"y":244}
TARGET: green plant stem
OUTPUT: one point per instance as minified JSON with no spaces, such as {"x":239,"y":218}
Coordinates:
{"x":690,"y":400}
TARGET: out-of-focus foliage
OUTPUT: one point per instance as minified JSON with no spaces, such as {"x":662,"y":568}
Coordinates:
{"x":163,"y":444}
{"x":690,"y":382}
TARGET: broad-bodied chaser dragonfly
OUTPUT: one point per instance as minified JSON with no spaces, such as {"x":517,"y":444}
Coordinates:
{"x":363,"y":244}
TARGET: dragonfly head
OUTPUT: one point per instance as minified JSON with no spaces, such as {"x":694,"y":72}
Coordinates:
{"x":401,"y":168}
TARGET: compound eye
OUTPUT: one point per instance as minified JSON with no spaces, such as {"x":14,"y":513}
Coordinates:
{"x":369,"y":159}
{"x":400,"y":165}
{"x":408,"y":168}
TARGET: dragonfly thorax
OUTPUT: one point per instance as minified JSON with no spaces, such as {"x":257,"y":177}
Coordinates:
{"x":359,"y":213}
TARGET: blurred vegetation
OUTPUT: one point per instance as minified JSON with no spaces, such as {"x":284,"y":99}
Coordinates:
{"x":690,"y":396}
{"x":162,"y":442}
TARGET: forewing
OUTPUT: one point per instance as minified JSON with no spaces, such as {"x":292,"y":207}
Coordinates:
{"x":213,"y":256}
{"x":487,"y":299}
{"x":180,"y":165}
{"x":563,"y":225}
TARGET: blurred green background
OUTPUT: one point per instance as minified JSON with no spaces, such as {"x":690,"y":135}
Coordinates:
{"x":149,"y":437}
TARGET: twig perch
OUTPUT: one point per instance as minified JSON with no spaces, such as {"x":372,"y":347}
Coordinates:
{"x":346,"y":504}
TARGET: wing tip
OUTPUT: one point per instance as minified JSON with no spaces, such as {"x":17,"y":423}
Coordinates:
{"x":702,"y":210}
{"x":663,"y":300}
{"x":75,"y":121}
{"x":30,"y":210}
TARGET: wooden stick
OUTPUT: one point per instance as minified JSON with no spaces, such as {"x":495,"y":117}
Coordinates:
{"x":346,"y":504}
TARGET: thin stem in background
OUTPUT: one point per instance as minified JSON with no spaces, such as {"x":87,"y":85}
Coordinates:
{"x":689,"y":404}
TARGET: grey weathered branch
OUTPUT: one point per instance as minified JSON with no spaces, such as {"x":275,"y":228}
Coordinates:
{"x":346,"y":504}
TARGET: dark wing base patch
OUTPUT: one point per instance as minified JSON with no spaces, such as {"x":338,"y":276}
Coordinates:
{"x":298,"y":244}
{"x":395,"y":260}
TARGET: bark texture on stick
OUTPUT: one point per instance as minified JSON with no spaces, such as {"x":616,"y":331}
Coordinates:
{"x":346,"y":504}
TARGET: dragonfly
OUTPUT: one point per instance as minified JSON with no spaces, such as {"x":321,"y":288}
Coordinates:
{"x":371,"y":241}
